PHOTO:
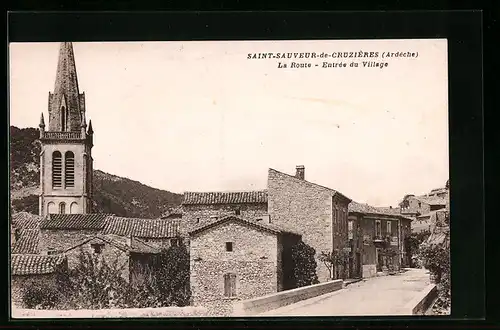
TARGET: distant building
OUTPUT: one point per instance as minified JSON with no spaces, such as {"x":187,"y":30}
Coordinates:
{"x":373,"y":232}
{"x":236,"y":259}
{"x":318,"y":213}
{"x":419,"y":205}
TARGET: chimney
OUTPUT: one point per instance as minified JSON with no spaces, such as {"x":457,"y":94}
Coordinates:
{"x":300,"y":173}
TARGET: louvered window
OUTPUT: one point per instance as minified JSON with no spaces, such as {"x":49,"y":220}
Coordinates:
{"x":56,"y":169}
{"x":230,"y":285}
{"x":69,"y":166}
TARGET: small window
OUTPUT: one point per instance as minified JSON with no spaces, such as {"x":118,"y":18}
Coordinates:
{"x":237,"y":212}
{"x":230,"y":285}
{"x":378,"y":229}
{"x":197,"y":220}
{"x":229,"y":246}
{"x":62,"y":208}
{"x":97,"y":247}
{"x":389,"y":227}
{"x":258,"y":219}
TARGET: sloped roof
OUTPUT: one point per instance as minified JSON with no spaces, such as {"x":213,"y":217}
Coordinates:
{"x":33,"y":264}
{"x":174,"y":213}
{"x":145,"y":228}
{"x":355,"y":207}
{"x":332,"y":191}
{"x":431,"y":200}
{"x":92,"y":221}
{"x":272,"y":228}
{"x":139,"y":246}
{"x":25,"y":220}
{"x":230,"y":197}
{"x":27,"y":242}
{"x":113,"y":242}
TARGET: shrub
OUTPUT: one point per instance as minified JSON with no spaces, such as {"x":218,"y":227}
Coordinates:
{"x":172,"y":281}
{"x":336,"y":262}
{"x":97,"y":284}
{"x":41,"y":296}
{"x":304,"y":264}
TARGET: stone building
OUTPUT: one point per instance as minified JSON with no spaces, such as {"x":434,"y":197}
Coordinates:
{"x":377,"y":237}
{"x":33,"y":270}
{"x":318,"y":213}
{"x":418,"y":205}
{"x":66,"y":147}
{"x":202,"y":207}
{"x":232,"y":258}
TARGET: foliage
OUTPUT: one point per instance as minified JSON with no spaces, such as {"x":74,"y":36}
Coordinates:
{"x":97,"y":284}
{"x":27,"y":203}
{"x":413,"y":243}
{"x":436,"y":258}
{"x":112,"y":194}
{"x":41,"y":296}
{"x":303,"y":264}
{"x":336,"y":262}
{"x":172,"y":280}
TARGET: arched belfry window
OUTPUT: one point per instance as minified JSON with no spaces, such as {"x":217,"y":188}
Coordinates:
{"x":62,"y":208}
{"x":69,"y":169}
{"x":56,"y":169}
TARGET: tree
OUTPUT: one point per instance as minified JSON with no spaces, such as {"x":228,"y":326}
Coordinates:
{"x":336,"y":262}
{"x":412,"y":244}
{"x":304,"y":264}
{"x":172,"y":281}
{"x":97,"y":284}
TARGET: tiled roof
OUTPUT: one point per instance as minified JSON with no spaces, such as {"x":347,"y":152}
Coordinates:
{"x":355,"y":207}
{"x":259,"y":225}
{"x":27,"y":242}
{"x":145,"y":228}
{"x":139,"y":246}
{"x":95,"y":221}
{"x":431,"y":200}
{"x":173,"y":213}
{"x":234,"y":197}
{"x":25,"y":220}
{"x":33,"y":264}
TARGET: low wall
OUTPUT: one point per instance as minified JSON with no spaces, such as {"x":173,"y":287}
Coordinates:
{"x":422,"y":301}
{"x":369,"y":271}
{"x":273,"y":301}
{"x":188,"y":311}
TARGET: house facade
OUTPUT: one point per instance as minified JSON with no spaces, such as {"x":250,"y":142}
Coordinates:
{"x":377,"y":237}
{"x":235,"y":259}
{"x":318,"y":213}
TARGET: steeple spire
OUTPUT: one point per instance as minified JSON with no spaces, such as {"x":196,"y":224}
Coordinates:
{"x":66,"y":103}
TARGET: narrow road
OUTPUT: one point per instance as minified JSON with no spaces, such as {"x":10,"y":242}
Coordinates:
{"x":383,"y":295}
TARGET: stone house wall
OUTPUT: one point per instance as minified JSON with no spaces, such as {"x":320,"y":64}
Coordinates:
{"x":197,"y":214}
{"x":111,"y":254}
{"x":20,"y":282}
{"x":254,"y":261}
{"x":62,"y":240}
{"x":307,"y":208}
{"x":414,"y":205}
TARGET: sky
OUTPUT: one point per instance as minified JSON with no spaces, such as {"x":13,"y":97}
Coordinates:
{"x":200,"y":116}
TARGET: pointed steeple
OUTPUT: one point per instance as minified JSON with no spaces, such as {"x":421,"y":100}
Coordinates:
{"x":90,"y":131}
{"x":66,"y":103}
{"x":42,"y":122}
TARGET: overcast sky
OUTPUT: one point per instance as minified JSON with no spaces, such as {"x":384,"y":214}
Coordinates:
{"x":200,"y":116}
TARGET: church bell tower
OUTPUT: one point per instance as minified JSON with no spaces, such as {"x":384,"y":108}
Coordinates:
{"x":66,"y":146}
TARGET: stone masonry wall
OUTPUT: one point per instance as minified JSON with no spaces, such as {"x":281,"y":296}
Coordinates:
{"x":112,"y":255}
{"x":253,"y":259}
{"x":305,"y":208}
{"x":20,"y":282}
{"x":195,"y":215}
{"x":61,"y":240}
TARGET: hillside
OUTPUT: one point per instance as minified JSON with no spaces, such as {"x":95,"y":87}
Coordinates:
{"x":112,"y":194}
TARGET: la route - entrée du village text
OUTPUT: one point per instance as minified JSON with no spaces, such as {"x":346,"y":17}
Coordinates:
{"x":332,"y":60}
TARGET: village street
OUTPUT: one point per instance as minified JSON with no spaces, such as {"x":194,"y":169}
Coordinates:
{"x":384,"y":295}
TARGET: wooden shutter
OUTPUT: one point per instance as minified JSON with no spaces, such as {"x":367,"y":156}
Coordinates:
{"x":233,"y":285}
{"x":227,"y":285}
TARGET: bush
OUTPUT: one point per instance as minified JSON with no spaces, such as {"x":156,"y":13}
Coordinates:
{"x":304,"y":264}
{"x":172,"y":281}
{"x":97,"y":284}
{"x":41,"y":296}
{"x":336,"y":262}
